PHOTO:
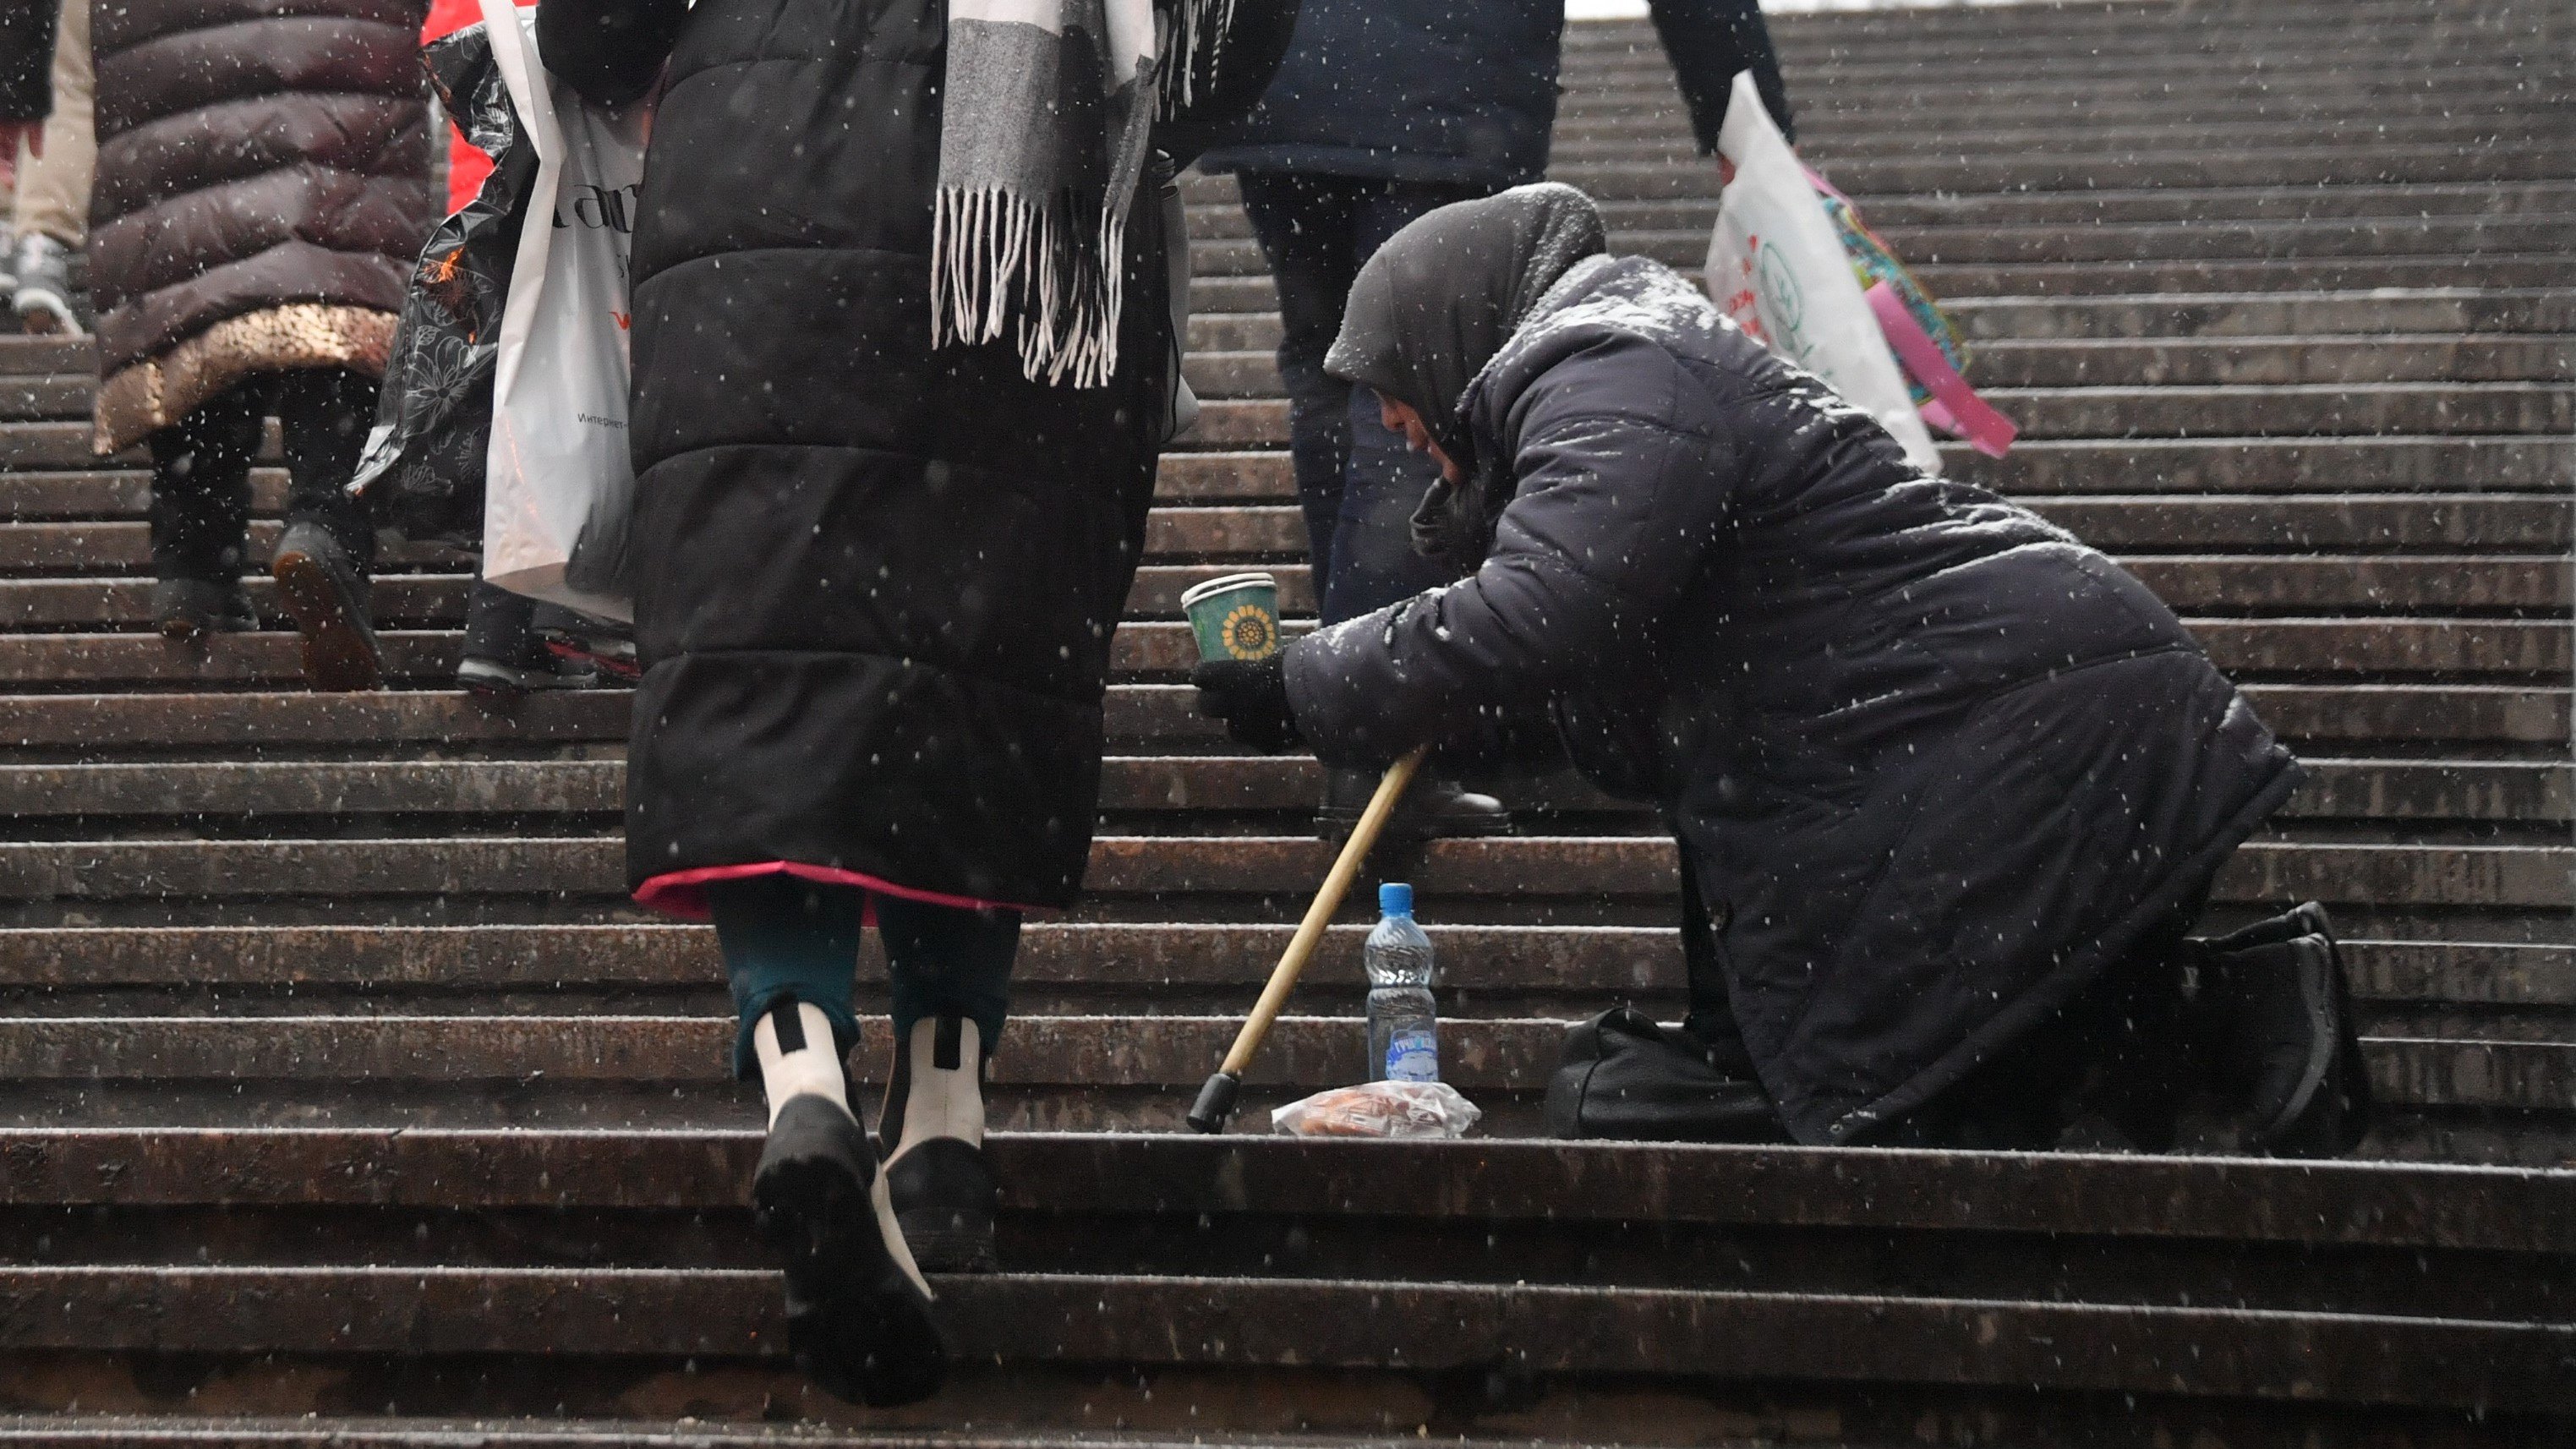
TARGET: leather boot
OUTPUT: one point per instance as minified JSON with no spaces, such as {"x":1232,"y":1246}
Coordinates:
{"x":932,"y":1134}
{"x":1432,"y":809}
{"x":2271,"y":1014}
{"x":2344,"y":1122}
{"x":327,"y":594}
{"x":858,"y":1312}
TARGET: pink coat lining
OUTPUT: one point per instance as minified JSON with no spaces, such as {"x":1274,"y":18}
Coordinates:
{"x":683,"y":893}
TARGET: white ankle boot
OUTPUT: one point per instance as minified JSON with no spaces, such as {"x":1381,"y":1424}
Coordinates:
{"x":858,"y":1311}
{"x":808,"y":1062}
{"x":933,"y":1130}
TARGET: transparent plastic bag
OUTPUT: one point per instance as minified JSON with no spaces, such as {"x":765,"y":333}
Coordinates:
{"x":1380,"y":1109}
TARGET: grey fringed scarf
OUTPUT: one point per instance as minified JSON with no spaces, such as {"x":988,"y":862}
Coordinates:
{"x":1046,"y":114}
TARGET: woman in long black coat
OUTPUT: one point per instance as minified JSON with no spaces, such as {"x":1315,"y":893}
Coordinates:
{"x":878,"y":570}
{"x":1949,"y":786}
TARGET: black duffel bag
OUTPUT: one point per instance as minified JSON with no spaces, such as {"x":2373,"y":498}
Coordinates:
{"x":1625,"y":1076}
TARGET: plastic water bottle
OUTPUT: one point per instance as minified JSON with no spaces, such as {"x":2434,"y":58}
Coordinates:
{"x":1403,"y":1025}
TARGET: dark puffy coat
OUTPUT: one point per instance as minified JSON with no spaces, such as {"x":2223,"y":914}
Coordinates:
{"x":263,"y":191}
{"x":1439,"y":90}
{"x":1937,"y":762}
{"x":877,"y":581}
{"x":26,"y":59}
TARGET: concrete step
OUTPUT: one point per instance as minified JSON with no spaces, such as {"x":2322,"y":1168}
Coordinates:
{"x":1149,"y":649}
{"x":2193,"y":89}
{"x":1614,"y":869}
{"x":1145,"y":1066}
{"x":2529,"y":713}
{"x":2474,"y":212}
{"x":2042,"y":467}
{"x":2251,"y":410}
{"x":2129,"y":363}
{"x":2501,"y":522}
{"x":93,"y":970}
{"x":1247,"y":289}
{"x":273,"y":795}
{"x":1221,"y":295}
{"x":1832,"y":138}
{"x":2234,"y":410}
{"x":2085,"y":170}
{"x":1161,"y":1220}
{"x":2215,"y":583}
{"x":1140,"y":715}
{"x":2314,"y":316}
{"x":1831,"y":118}
{"x":2527,"y":159}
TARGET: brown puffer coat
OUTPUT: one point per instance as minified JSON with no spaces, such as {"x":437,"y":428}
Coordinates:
{"x":263,"y":191}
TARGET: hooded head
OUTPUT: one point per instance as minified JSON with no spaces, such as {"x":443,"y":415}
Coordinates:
{"x":1444,"y":294}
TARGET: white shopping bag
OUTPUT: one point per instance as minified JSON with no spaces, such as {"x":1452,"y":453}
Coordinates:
{"x":1777,"y":268}
{"x":559,"y":487}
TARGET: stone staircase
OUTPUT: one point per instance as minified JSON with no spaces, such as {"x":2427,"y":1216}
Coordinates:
{"x":343,"y":1098}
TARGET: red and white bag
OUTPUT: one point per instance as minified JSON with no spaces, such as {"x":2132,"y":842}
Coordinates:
{"x":559,"y":492}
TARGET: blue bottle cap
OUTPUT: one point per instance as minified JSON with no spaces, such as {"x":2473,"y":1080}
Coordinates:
{"x":1395,"y":898}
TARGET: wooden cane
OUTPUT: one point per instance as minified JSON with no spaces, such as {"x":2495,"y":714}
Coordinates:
{"x":1215,"y":1105}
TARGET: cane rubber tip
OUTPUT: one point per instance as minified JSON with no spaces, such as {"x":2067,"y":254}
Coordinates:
{"x":1215,"y":1105}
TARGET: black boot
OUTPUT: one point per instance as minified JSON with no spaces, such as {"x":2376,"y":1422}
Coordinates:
{"x":1432,"y":809}
{"x":187,"y":609}
{"x":327,"y":594}
{"x":504,"y":660}
{"x":858,"y":1314}
{"x":2272,"y":1013}
{"x":932,"y":1131}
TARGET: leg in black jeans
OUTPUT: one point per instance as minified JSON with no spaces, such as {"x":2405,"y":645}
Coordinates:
{"x":201,"y":488}
{"x":325,"y":414}
{"x":1355,"y":480}
{"x":1374,"y":564}
{"x":322,"y":560}
{"x":1304,"y":223}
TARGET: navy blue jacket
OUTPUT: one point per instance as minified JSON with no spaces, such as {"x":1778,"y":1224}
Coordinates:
{"x":1938,"y":764}
{"x":1463,"y":91}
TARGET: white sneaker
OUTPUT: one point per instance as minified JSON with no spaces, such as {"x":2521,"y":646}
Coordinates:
{"x":42,"y":291}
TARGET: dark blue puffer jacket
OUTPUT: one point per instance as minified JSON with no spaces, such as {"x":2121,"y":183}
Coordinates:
{"x":1463,"y":91}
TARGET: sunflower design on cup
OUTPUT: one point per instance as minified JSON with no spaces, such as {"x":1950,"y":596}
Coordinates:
{"x":1249,"y":632}
{"x":1234,"y":617}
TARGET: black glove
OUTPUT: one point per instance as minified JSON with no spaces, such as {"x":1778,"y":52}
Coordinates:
{"x":1251,"y":696}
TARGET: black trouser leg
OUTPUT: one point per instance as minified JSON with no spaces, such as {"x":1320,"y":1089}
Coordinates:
{"x":948,"y":961}
{"x":1374,"y":563}
{"x":499,"y":625}
{"x":1712,"y":1009}
{"x":325,"y":413}
{"x":1304,"y":224}
{"x":2118,"y":1052}
{"x":201,"y":488}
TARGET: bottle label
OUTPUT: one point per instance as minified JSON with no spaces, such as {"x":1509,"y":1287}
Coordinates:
{"x":1413,"y":1056}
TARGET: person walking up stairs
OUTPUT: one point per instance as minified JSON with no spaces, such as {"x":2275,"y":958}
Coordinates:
{"x":286,"y":308}
{"x":50,"y":212}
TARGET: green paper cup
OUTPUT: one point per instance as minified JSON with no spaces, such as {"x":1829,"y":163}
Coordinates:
{"x":1235,"y":617}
